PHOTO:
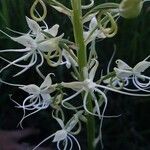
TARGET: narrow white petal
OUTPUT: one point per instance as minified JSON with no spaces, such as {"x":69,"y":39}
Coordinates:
{"x":122,"y":74}
{"x":33,"y":25}
{"x":93,"y":23}
{"x":31,"y":89}
{"x":53,"y":30}
{"x":122,"y":65}
{"x":47,"y":82}
{"x":25,"y":40}
{"x":15,"y":50}
{"x":141,"y":67}
{"x":76,"y":85}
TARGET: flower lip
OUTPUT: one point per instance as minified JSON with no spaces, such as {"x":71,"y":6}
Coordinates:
{"x":60,"y":135}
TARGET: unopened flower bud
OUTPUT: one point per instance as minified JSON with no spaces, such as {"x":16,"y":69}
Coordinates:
{"x":130,"y":8}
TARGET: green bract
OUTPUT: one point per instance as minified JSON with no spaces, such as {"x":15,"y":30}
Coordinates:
{"x":130,"y":8}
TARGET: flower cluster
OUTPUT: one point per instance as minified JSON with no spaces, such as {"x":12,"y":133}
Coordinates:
{"x":39,"y":42}
{"x":44,"y":44}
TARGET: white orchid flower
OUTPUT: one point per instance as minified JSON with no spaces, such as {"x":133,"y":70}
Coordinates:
{"x":33,"y":47}
{"x":65,"y":135}
{"x":93,"y":32}
{"x":49,"y":45}
{"x":89,"y":86}
{"x":28,"y":52}
{"x":114,"y":81}
{"x":39,"y":97}
{"x":125,"y":72}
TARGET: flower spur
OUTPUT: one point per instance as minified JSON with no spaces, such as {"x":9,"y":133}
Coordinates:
{"x":65,"y":134}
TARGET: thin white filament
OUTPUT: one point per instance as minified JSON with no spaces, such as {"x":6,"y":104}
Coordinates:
{"x":20,"y":33}
{"x":69,"y":98}
{"x":17,"y":60}
{"x":11,"y":84}
{"x":71,"y":143}
{"x":18,"y":65}
{"x":31,"y":63}
{"x":138,"y":86}
{"x":39,"y":65}
{"x":43,"y":141}
{"x":122,"y":92}
{"x":75,"y":141}
{"x":101,"y":122}
{"x":66,"y":143}
{"x":110,"y":61}
{"x":28,"y":98}
{"x":143,"y":85}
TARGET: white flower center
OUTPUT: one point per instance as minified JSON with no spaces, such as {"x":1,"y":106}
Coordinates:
{"x":89,"y":84}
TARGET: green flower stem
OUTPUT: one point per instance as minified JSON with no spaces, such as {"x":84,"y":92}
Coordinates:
{"x":90,"y":126}
{"x":78,"y":35}
{"x":82,"y":62}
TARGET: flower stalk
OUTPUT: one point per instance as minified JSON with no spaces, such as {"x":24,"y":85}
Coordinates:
{"x":78,"y":35}
{"x":82,"y":62}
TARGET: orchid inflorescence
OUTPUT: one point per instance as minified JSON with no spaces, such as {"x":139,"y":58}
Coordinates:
{"x":42,"y":43}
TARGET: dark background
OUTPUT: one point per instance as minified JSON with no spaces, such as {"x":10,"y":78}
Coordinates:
{"x":131,"y":131}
